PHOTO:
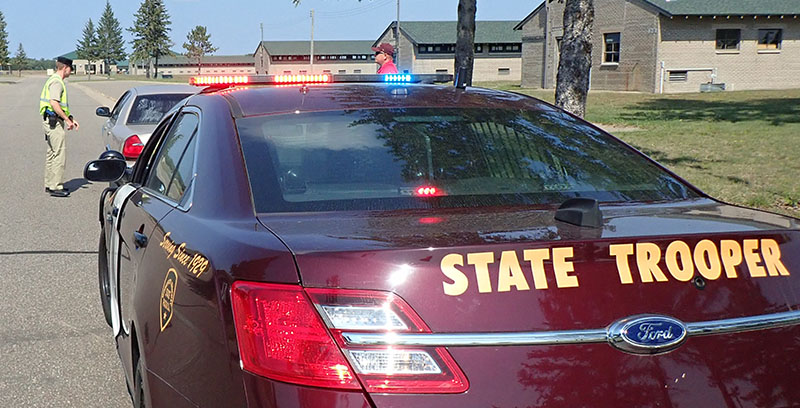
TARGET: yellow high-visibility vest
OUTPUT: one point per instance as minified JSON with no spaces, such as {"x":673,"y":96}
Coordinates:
{"x":44,"y":101}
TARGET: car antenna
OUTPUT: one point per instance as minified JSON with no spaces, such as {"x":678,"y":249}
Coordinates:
{"x":580,"y":211}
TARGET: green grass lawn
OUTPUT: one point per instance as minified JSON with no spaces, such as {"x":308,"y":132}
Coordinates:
{"x":740,"y":147}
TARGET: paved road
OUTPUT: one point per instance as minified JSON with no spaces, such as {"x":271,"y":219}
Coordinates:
{"x":55,"y":348}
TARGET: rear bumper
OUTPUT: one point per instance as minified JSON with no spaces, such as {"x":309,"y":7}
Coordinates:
{"x":265,"y":393}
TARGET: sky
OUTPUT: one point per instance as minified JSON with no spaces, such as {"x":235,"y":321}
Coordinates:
{"x":234,"y":25}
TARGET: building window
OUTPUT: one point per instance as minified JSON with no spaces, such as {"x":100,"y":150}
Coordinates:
{"x":611,"y":50}
{"x":356,"y":71}
{"x":287,"y":72}
{"x":342,"y":71}
{"x":728,"y":38}
{"x":478,"y":48}
{"x":326,"y":71}
{"x":678,"y":76}
{"x":437,"y":49}
{"x":770,"y":39}
{"x":441,"y":71}
{"x":303,"y":72}
{"x":511,"y":47}
{"x":503,"y":71}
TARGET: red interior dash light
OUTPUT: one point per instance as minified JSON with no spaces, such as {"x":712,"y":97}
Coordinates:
{"x":428,"y":191}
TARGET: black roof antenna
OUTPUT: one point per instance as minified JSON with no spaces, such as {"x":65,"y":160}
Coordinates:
{"x":580,"y":211}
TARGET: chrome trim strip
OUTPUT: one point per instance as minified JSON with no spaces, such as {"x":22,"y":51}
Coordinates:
{"x":743,"y":324}
{"x":477,"y":339}
{"x":544,"y":338}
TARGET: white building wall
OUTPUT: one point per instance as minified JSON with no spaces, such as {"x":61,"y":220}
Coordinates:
{"x":321,"y":68}
{"x":691,"y":44}
{"x":484,"y":69}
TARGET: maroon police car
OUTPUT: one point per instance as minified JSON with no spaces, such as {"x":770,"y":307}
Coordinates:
{"x":385,"y":241}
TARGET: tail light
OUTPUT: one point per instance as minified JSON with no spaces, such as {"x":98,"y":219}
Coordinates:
{"x":279,"y":331}
{"x":281,"y":337}
{"x":132,"y":147}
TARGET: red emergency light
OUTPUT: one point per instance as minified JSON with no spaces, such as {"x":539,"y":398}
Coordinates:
{"x":220,"y":80}
{"x":302,"y":79}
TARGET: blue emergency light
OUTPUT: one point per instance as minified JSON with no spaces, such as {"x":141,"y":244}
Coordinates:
{"x":395,"y":78}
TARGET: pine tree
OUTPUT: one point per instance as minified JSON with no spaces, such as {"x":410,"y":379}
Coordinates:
{"x":151,"y":33}
{"x":199,"y":43}
{"x":87,"y":47}
{"x":109,"y":39}
{"x":4,"y":60}
{"x":20,"y":60}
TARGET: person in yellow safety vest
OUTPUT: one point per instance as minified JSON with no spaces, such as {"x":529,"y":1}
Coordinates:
{"x":54,"y":109}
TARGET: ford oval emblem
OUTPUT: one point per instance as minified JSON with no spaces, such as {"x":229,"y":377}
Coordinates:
{"x":647,"y":334}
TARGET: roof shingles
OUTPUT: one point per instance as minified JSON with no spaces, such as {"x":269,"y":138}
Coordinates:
{"x":320,"y":47}
{"x":444,"y":32}
{"x":726,"y":7}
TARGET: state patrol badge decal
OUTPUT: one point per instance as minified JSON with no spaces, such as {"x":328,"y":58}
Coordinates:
{"x":167,"y":299}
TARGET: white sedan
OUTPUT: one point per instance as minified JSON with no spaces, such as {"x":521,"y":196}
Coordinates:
{"x":136,"y":114}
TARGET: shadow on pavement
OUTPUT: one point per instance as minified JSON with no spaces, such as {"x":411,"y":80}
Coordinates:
{"x":75,"y":184}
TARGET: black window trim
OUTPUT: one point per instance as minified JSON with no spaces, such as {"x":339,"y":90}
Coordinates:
{"x":779,"y":45}
{"x":121,"y":102}
{"x":187,"y":198}
{"x":606,"y":51}
{"x":738,"y":41}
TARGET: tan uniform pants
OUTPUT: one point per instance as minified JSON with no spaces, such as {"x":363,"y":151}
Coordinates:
{"x":56,"y":159}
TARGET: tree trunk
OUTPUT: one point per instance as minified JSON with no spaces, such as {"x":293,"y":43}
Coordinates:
{"x":155,"y":68}
{"x":465,"y":41}
{"x":575,"y":60}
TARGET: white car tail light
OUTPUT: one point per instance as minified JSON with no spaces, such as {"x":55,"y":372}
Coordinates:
{"x":387,"y":369}
{"x":281,"y":336}
{"x":362,"y":318}
{"x":394,"y":362}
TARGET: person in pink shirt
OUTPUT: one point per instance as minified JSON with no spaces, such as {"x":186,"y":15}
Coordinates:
{"x":384,"y":56}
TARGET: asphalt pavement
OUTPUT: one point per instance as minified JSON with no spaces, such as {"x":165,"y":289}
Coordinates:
{"x":55,"y":347}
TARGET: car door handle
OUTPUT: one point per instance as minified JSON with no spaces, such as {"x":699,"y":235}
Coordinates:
{"x":139,"y":239}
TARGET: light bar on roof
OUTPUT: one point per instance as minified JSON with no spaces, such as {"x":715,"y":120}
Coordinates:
{"x":229,"y":80}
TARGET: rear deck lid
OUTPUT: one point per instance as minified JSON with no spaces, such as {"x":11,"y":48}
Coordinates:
{"x":665,"y":305}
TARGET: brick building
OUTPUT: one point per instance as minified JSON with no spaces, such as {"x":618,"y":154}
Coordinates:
{"x":83,"y":67}
{"x":210,"y":64}
{"x":673,"y":45}
{"x":332,"y":57}
{"x":498,"y":48}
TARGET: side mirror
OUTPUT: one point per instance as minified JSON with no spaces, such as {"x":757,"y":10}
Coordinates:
{"x":105,"y":170}
{"x":103,"y":111}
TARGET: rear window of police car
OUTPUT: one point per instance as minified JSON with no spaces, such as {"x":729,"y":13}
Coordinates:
{"x":377,"y":159}
{"x":148,"y":109}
